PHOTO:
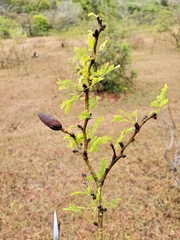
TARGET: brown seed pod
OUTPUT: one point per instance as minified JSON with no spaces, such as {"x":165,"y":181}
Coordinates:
{"x":50,"y":121}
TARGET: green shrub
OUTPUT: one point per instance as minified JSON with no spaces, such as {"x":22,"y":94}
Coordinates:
{"x":43,"y":5}
{"x":28,"y":8}
{"x":40,"y":25}
{"x":6,"y":26}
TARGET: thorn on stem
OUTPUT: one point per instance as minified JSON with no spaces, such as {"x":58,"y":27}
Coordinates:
{"x":99,"y":20}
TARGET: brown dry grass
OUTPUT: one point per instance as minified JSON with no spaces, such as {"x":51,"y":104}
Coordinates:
{"x":38,"y":173}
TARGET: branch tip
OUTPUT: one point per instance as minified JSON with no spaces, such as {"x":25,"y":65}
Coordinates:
{"x":154,"y":116}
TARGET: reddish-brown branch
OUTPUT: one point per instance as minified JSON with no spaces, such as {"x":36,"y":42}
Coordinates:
{"x":123,"y":147}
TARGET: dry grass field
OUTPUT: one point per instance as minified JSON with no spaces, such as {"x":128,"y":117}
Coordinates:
{"x":38,"y":173}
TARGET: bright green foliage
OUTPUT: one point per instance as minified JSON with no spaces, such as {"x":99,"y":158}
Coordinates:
{"x":7,"y":26}
{"x":126,"y":117}
{"x":161,"y":100}
{"x":83,"y":58}
{"x":40,"y":25}
{"x":96,"y":142}
{"x":69,"y":102}
{"x":96,"y":124}
{"x":133,"y":118}
{"x":121,"y":79}
{"x":93,"y":205}
{"x":43,"y":5}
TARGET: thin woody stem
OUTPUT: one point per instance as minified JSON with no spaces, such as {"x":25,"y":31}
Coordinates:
{"x":100,"y":217}
{"x":85,"y":157}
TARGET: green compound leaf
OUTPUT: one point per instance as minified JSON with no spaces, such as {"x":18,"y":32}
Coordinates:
{"x":91,"y":41}
{"x":100,"y":73}
{"x":73,"y":208}
{"x":89,"y":190}
{"x":84,"y":115}
{"x":82,"y":54}
{"x":126,"y":117}
{"x":64,"y":84}
{"x":123,"y":134}
{"x":68,"y":103}
{"x":77,"y":193}
{"x":93,"y":102}
{"x":103,"y":168}
{"x":161,"y":100}
{"x":114,"y":203}
{"x":96,"y":125}
{"x":96,"y":142}
{"x":89,"y":178}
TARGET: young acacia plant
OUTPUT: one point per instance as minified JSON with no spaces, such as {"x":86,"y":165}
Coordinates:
{"x":86,"y":141}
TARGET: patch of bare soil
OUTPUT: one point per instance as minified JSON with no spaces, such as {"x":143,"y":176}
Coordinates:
{"x":38,"y":172}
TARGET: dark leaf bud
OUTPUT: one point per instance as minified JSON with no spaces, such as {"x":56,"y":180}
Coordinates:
{"x":93,"y":195}
{"x":121,"y":145}
{"x":50,"y":121}
{"x":84,"y":86}
{"x":99,"y":20}
{"x":137,"y":127}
